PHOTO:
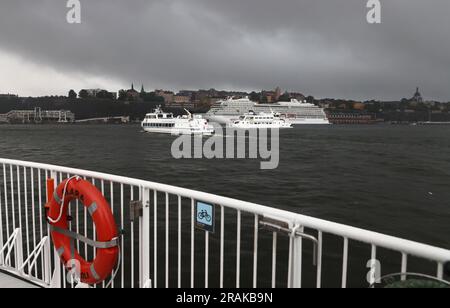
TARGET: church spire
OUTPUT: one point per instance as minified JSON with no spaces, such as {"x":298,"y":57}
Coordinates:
{"x":142,"y":89}
{"x":417,"y":96}
{"x":132,"y":86}
{"x":417,"y":92}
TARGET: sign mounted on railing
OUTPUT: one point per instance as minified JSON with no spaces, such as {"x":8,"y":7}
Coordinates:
{"x":205,"y":217}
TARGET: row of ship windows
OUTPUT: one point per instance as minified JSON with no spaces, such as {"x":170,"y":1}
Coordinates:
{"x":307,"y":113}
{"x":159,"y":124}
{"x":159,"y":116}
{"x":262,"y":123}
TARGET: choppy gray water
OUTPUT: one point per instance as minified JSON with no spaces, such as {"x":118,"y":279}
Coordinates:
{"x":390,"y":179}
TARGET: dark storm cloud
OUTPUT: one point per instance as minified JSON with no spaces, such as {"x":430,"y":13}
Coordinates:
{"x":320,"y":47}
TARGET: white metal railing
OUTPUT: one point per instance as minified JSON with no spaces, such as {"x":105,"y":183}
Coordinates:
{"x":12,"y":245}
{"x":254,"y":246}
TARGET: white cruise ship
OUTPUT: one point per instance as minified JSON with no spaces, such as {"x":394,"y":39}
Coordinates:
{"x":261,"y":120}
{"x":165,"y":123}
{"x":295,"y":112}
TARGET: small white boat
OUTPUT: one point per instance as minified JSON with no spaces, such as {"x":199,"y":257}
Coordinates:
{"x":261,"y":120}
{"x":165,"y":123}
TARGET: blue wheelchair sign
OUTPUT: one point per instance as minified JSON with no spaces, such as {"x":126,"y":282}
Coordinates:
{"x":205,"y":216}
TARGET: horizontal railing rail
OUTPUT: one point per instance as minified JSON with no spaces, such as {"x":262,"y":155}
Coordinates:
{"x":168,"y":224}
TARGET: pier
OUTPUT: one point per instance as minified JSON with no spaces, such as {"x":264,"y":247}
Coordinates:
{"x":433,"y":123}
{"x":37,"y":116}
{"x":107,"y":120}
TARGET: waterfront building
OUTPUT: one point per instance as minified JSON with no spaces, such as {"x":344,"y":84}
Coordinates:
{"x":189,"y":93}
{"x":37,"y":116}
{"x":8,"y":96}
{"x":181,"y":101}
{"x":271,"y":96}
{"x":167,"y":95}
{"x":129,"y":95}
{"x":342,"y":117}
{"x":359,"y":106}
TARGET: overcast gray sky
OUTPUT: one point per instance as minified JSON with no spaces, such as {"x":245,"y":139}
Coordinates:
{"x":323,"y":48}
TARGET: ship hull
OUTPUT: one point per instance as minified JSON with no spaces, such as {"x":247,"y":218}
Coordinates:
{"x":179,"y":131}
{"x":227,"y":119}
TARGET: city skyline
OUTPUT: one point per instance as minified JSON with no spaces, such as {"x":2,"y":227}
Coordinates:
{"x":184,"y":94}
{"x":323,"y":49}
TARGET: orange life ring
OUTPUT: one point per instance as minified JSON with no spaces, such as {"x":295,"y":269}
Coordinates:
{"x":107,"y":244}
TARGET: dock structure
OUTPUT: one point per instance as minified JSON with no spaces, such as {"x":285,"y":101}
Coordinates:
{"x":37,"y":116}
{"x":108,"y":120}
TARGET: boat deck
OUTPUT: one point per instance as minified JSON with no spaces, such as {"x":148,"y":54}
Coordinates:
{"x":267,"y":246}
{"x":8,"y":281}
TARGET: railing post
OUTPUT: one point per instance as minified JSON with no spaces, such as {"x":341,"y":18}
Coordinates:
{"x":56,"y":279}
{"x":145,"y":245}
{"x":2,"y":262}
{"x":1,"y":230}
{"x":47,"y":261}
{"x":18,"y":250}
{"x":297,"y":258}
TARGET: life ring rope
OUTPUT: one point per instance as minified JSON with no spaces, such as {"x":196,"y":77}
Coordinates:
{"x":107,"y":260}
{"x":115,"y":242}
{"x":61,"y":202}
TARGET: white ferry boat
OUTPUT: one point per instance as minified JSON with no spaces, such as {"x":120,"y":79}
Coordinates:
{"x":261,"y":120}
{"x":295,"y":112}
{"x":165,"y":123}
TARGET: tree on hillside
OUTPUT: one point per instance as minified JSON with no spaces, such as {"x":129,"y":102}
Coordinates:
{"x":255,"y":97}
{"x":83,"y":94}
{"x":310,"y":99}
{"x":286,"y":97}
{"x":105,"y":95}
{"x":72,"y":94}
{"x":152,"y":97}
{"x":122,"y":95}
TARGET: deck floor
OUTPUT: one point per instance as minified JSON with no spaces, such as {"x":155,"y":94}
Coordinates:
{"x":8,"y":281}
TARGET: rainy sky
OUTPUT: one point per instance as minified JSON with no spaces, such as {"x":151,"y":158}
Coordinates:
{"x":318,"y":47}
